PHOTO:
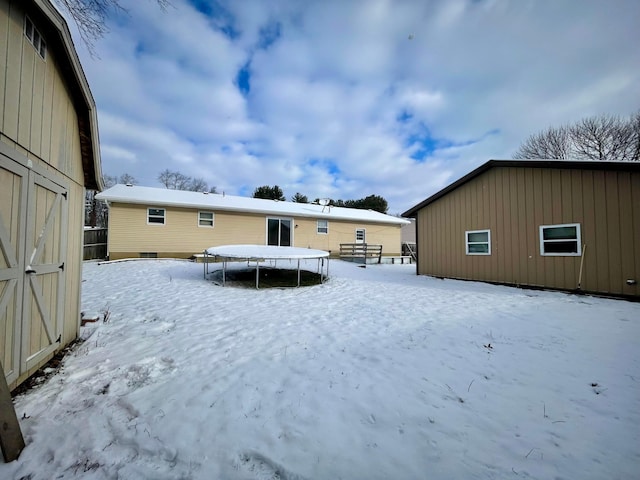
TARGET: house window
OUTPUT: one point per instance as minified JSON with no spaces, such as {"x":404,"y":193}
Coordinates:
{"x":155,"y":216}
{"x":360,"y":235}
{"x":560,"y":240}
{"x":323,"y":226}
{"x":205,"y":219}
{"x":34,"y":37}
{"x":478,"y":242}
{"x":279,"y":232}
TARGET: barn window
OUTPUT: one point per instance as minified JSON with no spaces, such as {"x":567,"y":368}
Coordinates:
{"x":478,"y":242}
{"x":323,"y":226}
{"x":35,"y":37}
{"x":560,"y":240}
{"x":205,"y":219}
{"x":155,"y":216}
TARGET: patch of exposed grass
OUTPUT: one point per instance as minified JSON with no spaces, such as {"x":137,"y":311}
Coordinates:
{"x":268,"y":278}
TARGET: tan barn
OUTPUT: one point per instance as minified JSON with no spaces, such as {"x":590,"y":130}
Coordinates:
{"x":48,"y":155}
{"x":156,"y":222}
{"x":565,"y":225}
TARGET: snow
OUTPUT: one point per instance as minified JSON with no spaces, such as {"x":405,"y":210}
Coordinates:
{"x":377,"y":374}
{"x":253,"y":252}
{"x":184,"y":199}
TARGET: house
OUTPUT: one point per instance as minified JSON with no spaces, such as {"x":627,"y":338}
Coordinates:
{"x":48,"y":155}
{"x":569,"y":225}
{"x":156,"y":222}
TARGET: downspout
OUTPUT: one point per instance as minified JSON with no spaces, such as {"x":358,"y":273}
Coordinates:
{"x":584,"y":248}
{"x":417,"y":246}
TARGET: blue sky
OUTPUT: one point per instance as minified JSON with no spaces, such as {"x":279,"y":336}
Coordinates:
{"x":344,"y":99}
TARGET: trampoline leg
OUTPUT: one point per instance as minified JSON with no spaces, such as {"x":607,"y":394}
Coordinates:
{"x":257,"y":275}
{"x":298,"y":272}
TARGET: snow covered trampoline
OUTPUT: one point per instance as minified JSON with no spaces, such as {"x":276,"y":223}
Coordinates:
{"x":260,"y":254}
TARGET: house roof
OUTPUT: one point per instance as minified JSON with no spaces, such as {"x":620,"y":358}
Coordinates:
{"x":58,"y":37}
{"x":222,"y":202}
{"x":555,"y":164}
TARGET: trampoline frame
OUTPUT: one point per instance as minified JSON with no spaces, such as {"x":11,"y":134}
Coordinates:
{"x":262,"y":253}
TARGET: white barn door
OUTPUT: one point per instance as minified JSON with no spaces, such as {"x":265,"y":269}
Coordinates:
{"x":45,"y":257}
{"x":33,"y":232}
{"x":13,"y":202}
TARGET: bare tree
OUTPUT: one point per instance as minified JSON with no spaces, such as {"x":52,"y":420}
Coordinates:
{"x":198,"y":185}
{"x":127,"y":179}
{"x":635,"y":137}
{"x":551,"y":143}
{"x":603,"y":137}
{"x":178,"y":181}
{"x":172,"y":180}
{"x":96,"y":213}
{"x":90,"y":16}
{"x":599,"y":138}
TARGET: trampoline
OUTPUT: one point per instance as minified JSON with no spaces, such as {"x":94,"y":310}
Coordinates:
{"x":263,"y":253}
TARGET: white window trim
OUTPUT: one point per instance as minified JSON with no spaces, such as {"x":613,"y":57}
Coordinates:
{"x":364,"y":235}
{"x":578,"y":240}
{"x":164,"y":216}
{"x":326,"y":227}
{"x":467,"y":243}
{"x":213,"y":219}
{"x":41,"y":47}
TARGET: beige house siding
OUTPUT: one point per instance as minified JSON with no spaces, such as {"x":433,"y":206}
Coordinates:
{"x":513,"y":202}
{"x":180,"y":236}
{"x":42,"y":153}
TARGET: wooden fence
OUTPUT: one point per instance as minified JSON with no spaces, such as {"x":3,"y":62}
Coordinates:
{"x":360,"y":252}
{"x":95,"y":244}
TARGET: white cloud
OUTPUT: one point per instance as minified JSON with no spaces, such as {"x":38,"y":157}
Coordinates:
{"x":342,"y":87}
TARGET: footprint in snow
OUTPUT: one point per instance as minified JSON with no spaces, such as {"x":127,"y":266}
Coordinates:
{"x":262,"y":468}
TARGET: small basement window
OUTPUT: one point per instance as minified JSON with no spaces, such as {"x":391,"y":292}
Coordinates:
{"x":560,"y":240}
{"x":323,"y":227}
{"x":478,"y":242}
{"x":155,"y":216}
{"x":205,"y":219}
{"x":35,"y":37}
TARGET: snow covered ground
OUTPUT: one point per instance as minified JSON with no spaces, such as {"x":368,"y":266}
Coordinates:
{"x":376,"y":374}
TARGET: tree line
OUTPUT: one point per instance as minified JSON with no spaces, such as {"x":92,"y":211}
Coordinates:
{"x":372,"y":202}
{"x":600,"y":137}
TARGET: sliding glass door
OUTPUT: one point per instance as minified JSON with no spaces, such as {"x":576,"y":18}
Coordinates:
{"x":279,"y":232}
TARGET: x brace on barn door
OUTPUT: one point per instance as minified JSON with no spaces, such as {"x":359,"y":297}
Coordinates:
{"x":33,"y":231}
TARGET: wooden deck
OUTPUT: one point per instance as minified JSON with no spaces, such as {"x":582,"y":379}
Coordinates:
{"x":361,"y":252}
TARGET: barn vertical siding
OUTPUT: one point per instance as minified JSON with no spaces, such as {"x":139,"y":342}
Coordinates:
{"x":513,"y":202}
{"x":39,"y":125}
{"x":39,"y":116}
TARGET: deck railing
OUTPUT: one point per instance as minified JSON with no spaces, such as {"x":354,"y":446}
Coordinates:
{"x":360,"y":251}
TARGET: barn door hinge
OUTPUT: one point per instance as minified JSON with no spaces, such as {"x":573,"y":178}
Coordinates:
{"x":64,"y":195}
{"x":59,"y":338}
{"x":61,"y":267}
